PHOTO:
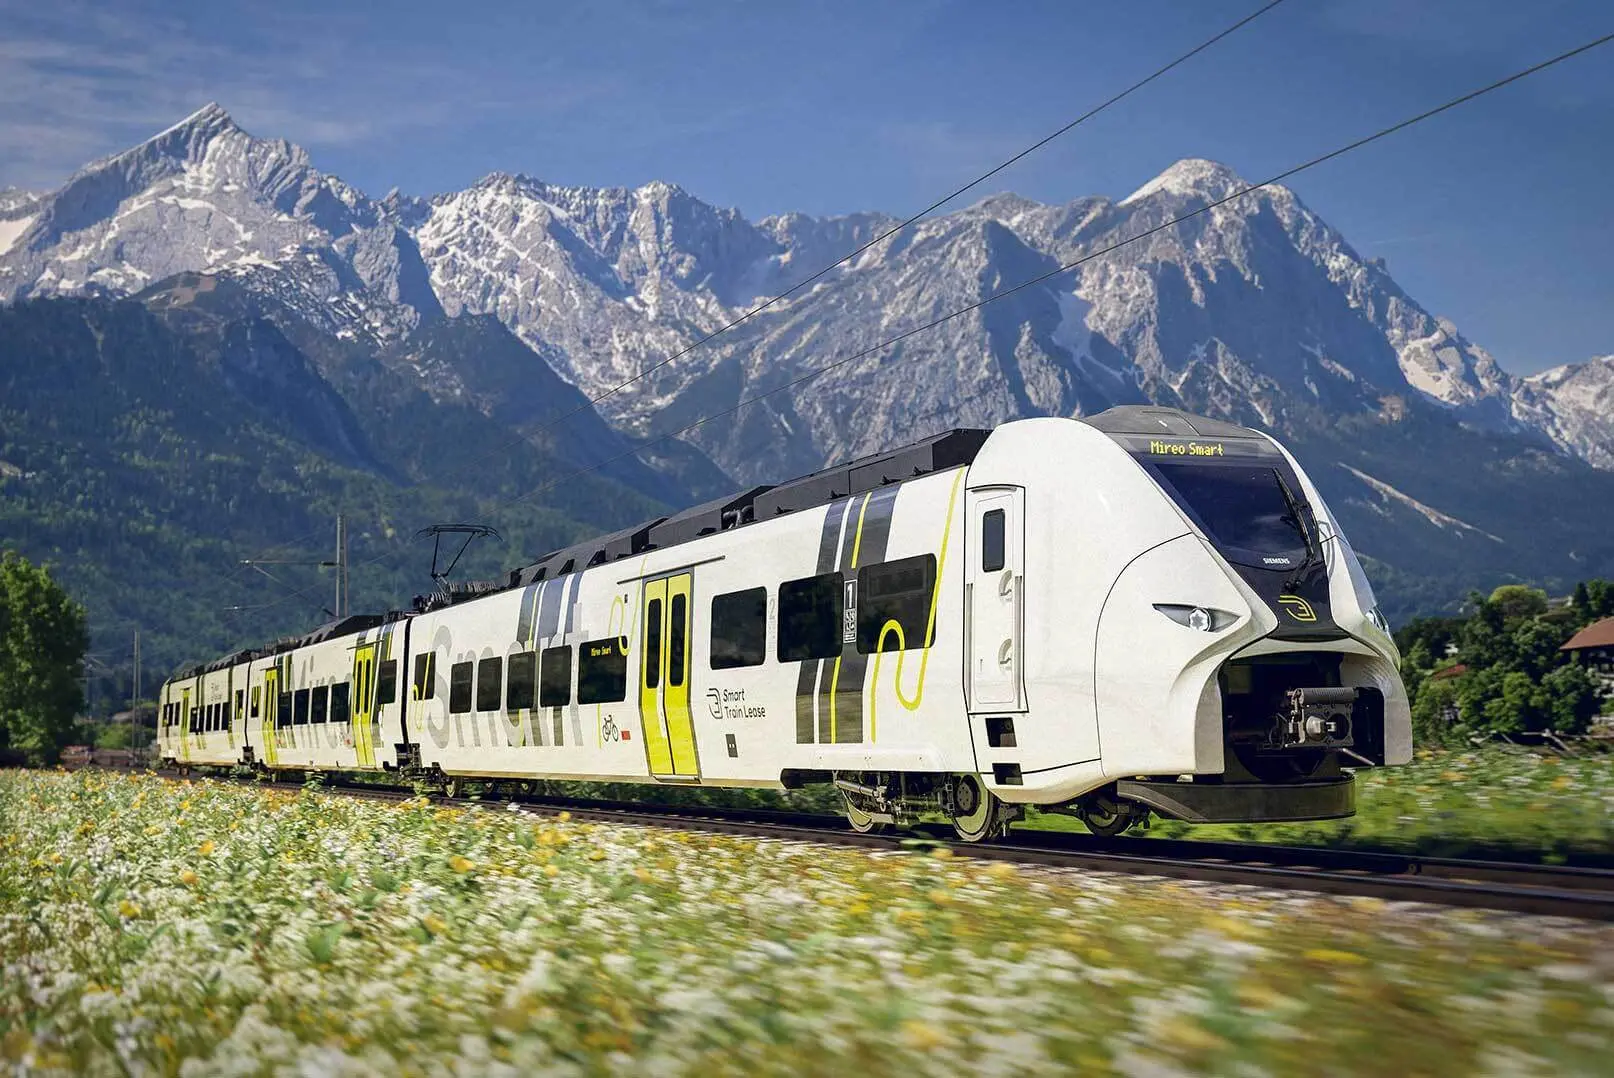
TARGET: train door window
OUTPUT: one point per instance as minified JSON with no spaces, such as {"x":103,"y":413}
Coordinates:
{"x":240,"y":704}
{"x":218,"y":714}
{"x":810,"y":618}
{"x":739,"y":629}
{"x":602,"y":671}
{"x":489,"y":684}
{"x":893,"y":604}
{"x":341,"y":702}
{"x":652,"y":644}
{"x":460,"y":676}
{"x":196,"y":720}
{"x":299,"y":707}
{"x":321,"y":701}
{"x":677,"y":639}
{"x":523,"y":685}
{"x":386,"y":691}
{"x":994,"y":543}
{"x":283,"y":710}
{"x":555,"y":677}
{"x":425,"y":675}
{"x":257,"y":695}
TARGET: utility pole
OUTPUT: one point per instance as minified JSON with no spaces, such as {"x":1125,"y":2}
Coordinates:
{"x":134,"y":708}
{"x":341,"y":565}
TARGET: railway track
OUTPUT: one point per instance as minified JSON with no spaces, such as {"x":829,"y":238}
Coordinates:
{"x":1545,"y":890}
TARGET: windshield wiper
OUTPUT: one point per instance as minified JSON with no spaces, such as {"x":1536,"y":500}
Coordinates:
{"x":1295,"y":509}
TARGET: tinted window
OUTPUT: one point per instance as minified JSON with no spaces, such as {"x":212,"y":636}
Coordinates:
{"x":523,"y":681}
{"x":284,"y":717}
{"x":240,"y":703}
{"x":319,"y":712}
{"x":602,"y":671}
{"x":677,"y":639}
{"x":893,"y":604}
{"x":257,"y":695}
{"x":489,"y":684}
{"x":341,"y":696}
{"x":740,"y":629}
{"x":1241,"y":508}
{"x":810,"y":618}
{"x":555,"y":677}
{"x":459,"y":688}
{"x":992,"y":541}
{"x":299,"y":707}
{"x":425,"y":675}
{"x":652,"y":644}
{"x":387,"y":687}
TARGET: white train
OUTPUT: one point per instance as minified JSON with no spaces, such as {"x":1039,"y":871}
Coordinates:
{"x":1140,"y":611}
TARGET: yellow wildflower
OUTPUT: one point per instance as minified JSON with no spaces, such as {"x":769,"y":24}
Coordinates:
{"x":563,"y":816}
{"x":128,"y":909}
{"x":551,"y":871}
{"x":941,"y":853}
{"x":205,"y":848}
{"x":188,"y":878}
{"x":461,"y":864}
{"x":1338,"y":958}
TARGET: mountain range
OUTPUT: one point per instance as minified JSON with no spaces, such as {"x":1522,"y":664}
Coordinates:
{"x":508,"y":303}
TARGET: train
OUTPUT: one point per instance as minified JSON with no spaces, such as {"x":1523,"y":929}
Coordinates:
{"x":1140,"y":612}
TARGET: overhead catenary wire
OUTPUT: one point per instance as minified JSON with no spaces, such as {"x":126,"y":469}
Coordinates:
{"x":591,"y":403}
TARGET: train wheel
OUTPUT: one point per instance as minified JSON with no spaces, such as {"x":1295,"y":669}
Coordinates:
{"x":978,"y":815}
{"x":453,"y":787}
{"x":1107,"y":817}
{"x":861,"y":821}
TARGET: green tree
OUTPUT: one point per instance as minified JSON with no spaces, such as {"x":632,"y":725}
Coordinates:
{"x":1535,"y":645}
{"x":1518,"y":601}
{"x":1432,"y":711}
{"x":1571,"y":698}
{"x":43,"y":637}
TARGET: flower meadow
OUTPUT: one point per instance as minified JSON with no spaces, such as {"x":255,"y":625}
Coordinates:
{"x":157,"y":927}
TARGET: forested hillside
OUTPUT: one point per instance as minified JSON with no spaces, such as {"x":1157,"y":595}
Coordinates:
{"x":144,"y":453}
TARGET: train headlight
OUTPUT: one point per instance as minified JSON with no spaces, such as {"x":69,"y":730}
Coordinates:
{"x":1205,"y":619}
{"x":1379,"y":621}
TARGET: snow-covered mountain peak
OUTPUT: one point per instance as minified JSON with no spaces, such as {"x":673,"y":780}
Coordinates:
{"x":1191,"y":177}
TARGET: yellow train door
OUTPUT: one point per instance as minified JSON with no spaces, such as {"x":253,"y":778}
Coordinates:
{"x":185,"y":726}
{"x":664,"y":670}
{"x":269,"y":722}
{"x":364,"y":704}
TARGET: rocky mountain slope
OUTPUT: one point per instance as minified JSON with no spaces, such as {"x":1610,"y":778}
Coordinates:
{"x":1257,"y":311}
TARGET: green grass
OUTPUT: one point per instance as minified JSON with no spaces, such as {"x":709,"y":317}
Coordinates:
{"x":157,"y":927}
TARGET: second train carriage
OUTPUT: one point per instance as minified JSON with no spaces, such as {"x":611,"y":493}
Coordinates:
{"x":1142,"y":611}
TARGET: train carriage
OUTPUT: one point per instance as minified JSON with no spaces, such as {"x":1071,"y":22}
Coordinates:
{"x":1144,"y":611}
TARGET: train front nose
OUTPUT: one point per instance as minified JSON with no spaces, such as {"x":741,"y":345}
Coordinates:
{"x":1171,"y":620}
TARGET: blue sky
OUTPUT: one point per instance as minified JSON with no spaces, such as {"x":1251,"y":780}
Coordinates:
{"x":1499,"y":216}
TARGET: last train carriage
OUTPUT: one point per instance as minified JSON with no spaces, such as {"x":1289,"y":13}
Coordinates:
{"x":1140,"y":611}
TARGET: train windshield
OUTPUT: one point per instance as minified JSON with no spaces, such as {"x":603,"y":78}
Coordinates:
{"x":1250,"y":511}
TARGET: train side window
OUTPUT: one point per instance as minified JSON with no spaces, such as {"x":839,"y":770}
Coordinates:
{"x":299,"y":707}
{"x":240,"y":705}
{"x":893,"y":604}
{"x":425,"y":675}
{"x":602,"y":671}
{"x":555,"y":677}
{"x":810,"y":618}
{"x":196,"y":720}
{"x":283,"y":710}
{"x":652,"y":644}
{"x":523,"y":686}
{"x":341,"y":702}
{"x":321,"y":700}
{"x":489,"y":684}
{"x":740,"y":628}
{"x":994,"y":543}
{"x":386,"y":691}
{"x":257,"y":696}
{"x":677,"y":639}
{"x":460,"y":676}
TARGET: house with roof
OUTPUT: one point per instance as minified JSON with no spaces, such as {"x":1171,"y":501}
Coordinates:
{"x":1593,"y":647}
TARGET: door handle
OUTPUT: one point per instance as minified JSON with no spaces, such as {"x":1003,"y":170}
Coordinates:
{"x":1005,"y":652}
{"x":1006,"y":582}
